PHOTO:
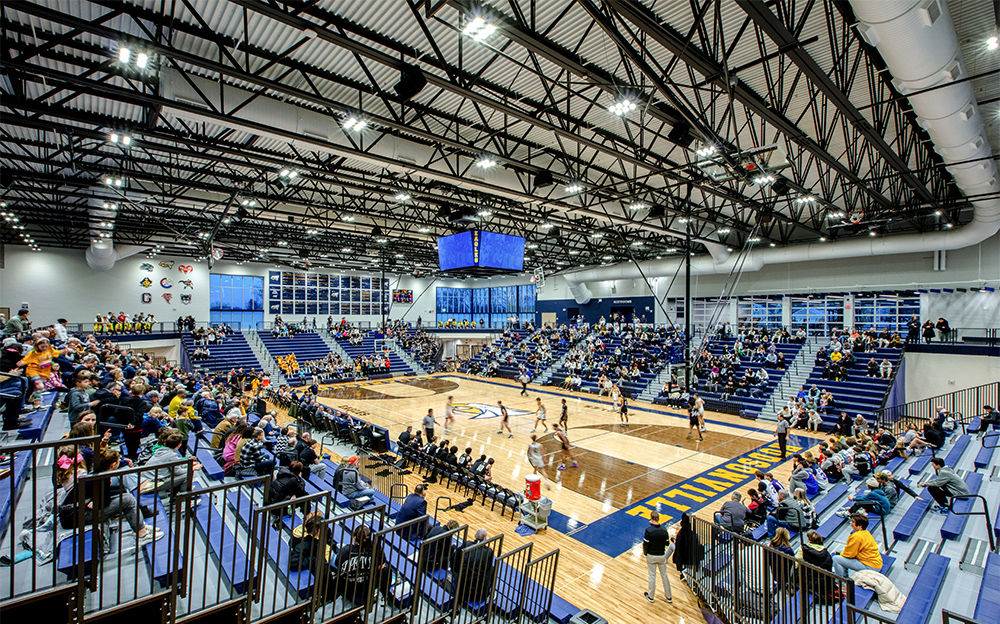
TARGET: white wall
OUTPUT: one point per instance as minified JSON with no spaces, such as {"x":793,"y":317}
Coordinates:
{"x":58,"y":283}
{"x":933,"y":374}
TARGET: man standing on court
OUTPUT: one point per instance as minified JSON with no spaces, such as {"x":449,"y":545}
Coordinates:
{"x":429,"y":423}
{"x":524,"y":379}
{"x":539,"y":415}
{"x":655,"y":546}
{"x":504,"y":424}
{"x":782,"y":432}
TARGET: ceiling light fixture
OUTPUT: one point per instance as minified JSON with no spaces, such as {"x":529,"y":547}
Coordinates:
{"x":992,"y":43}
{"x":636,"y":206}
{"x":723,"y":231}
{"x":283,"y":243}
{"x":355,"y":123}
{"x":805,"y":199}
{"x":574,"y":187}
{"x":141,"y":60}
{"x":479,"y":29}
{"x":424,"y":230}
{"x":485,"y":213}
{"x":124,"y":54}
{"x":622,"y":107}
{"x":706,"y":150}
{"x":762,"y":180}
{"x":485,"y":162}
{"x":402,"y":197}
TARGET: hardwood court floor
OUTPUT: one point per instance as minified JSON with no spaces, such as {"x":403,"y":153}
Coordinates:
{"x":618,"y":467}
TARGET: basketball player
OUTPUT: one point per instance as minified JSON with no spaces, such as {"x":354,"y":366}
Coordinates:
{"x":623,"y":412}
{"x":616,"y":396}
{"x":699,"y":405}
{"x":693,"y":419}
{"x":449,"y":415}
{"x":564,"y":449}
{"x":537,"y":461}
{"x":504,"y":420}
{"x":539,"y":415}
{"x":564,"y":416}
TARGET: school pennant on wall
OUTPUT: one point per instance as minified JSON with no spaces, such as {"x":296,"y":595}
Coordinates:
{"x":145,"y":266}
{"x":146,"y":282}
{"x":185,"y":268}
{"x":187,"y":284}
{"x":167,"y":297}
{"x":168,"y":264}
{"x":166,"y":283}
{"x":147,"y":298}
{"x":185,"y":299}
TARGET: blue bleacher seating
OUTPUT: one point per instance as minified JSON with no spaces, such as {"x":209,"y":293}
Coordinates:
{"x":955,"y":522}
{"x":234,"y":352}
{"x":920,"y":601}
{"x":221,"y":539}
{"x":988,"y":604}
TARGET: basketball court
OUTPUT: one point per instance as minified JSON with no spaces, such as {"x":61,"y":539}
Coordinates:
{"x":601,"y":507}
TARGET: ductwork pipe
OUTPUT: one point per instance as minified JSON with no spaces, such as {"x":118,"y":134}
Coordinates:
{"x":102,"y":254}
{"x":918,"y":42}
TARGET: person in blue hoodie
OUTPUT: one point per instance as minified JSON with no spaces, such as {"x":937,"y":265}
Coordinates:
{"x":802,"y":478}
{"x":874,"y":500}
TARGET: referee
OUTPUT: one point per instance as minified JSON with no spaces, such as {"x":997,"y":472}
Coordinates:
{"x":782,"y":432}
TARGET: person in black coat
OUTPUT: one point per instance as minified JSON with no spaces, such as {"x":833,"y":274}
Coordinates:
{"x":440,"y":552}
{"x":473,"y":570}
{"x":287,"y":485}
{"x":688,"y":550}
{"x":814,"y":553}
{"x":844,"y":424}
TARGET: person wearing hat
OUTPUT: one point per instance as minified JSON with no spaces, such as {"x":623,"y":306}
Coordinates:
{"x":17,"y":324}
{"x":874,"y":500}
{"x":352,"y":484}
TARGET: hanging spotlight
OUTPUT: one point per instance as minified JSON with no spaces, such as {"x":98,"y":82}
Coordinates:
{"x":402,"y":196}
{"x":114,"y":137}
{"x":574,"y":187}
{"x":636,"y":206}
{"x":723,"y":231}
{"x":485,"y":213}
{"x":479,"y":29}
{"x":141,"y":60}
{"x":485,"y":162}
{"x":706,"y":150}
{"x":992,"y":43}
{"x":622,"y":107}
{"x":124,"y":54}
{"x":355,"y":123}
{"x":762,"y":180}
{"x":805,"y":199}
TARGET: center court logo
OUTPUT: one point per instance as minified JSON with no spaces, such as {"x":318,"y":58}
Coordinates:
{"x":484,"y":410}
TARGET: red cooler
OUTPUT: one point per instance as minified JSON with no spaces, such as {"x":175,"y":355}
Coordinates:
{"x":533,"y":487}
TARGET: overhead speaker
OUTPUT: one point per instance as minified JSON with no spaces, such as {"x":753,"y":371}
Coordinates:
{"x":411,"y":82}
{"x":765,"y":215}
{"x":543,"y":179}
{"x":780,"y":186}
{"x":682,"y":134}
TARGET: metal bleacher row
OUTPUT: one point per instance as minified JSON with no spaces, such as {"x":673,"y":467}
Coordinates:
{"x":368,"y":347}
{"x":751,"y":405}
{"x":233,"y":528}
{"x":937,"y":561}
{"x":306,"y":346}
{"x":858,"y":394}
{"x":233,"y":353}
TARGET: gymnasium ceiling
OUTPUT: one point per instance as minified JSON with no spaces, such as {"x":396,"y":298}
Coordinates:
{"x":236,"y":92}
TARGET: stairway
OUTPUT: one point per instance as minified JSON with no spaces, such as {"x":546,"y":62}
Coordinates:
{"x":253,"y":340}
{"x":653,"y":389}
{"x":234,"y":352}
{"x":415,"y":365}
{"x":543,"y":378}
{"x":335,"y":347}
{"x":794,"y":378}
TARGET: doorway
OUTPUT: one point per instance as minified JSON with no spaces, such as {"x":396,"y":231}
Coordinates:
{"x":624,"y":313}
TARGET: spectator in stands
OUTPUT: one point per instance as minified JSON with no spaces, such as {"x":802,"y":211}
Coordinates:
{"x":733,"y":515}
{"x":304,"y":546}
{"x":861,"y":551}
{"x":803,"y":478}
{"x":874,"y":500}
{"x":757,"y":507}
{"x":312,"y":463}
{"x":656,"y":547}
{"x":932,"y":438}
{"x":945,"y":485}
{"x":788,"y":514}
{"x":287,"y":485}
{"x":927,"y":331}
{"x":354,"y":567}
{"x":814,"y":553}
{"x":778,"y":567}
{"x":860,"y":425}
{"x":17,"y":324}
{"x":944,"y":329}
{"x":413,"y":507}
{"x":352,"y":484}
{"x":441,"y":551}
{"x":873,"y":368}
{"x":252,"y":458}
{"x":990,"y":418}
{"x":118,"y":501}
{"x":476,"y":565}
{"x":167,"y":451}
{"x":78,"y":398}
{"x":220,"y":431}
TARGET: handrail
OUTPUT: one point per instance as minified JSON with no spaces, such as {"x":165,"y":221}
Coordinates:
{"x":947,"y":617}
{"x":966,"y":401}
{"x":991,"y":434}
{"x":985,"y":513}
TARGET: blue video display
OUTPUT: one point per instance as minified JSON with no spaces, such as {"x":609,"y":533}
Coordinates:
{"x":477,"y":248}
{"x":500,"y":251}
{"x":455,"y":251}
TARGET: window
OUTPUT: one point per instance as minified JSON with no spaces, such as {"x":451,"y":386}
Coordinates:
{"x":878,"y":311}
{"x":761,"y":311}
{"x":818,"y":315}
{"x":237,"y":300}
{"x":493,"y":305}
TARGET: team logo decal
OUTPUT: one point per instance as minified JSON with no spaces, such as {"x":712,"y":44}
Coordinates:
{"x":185,"y":299}
{"x":147,"y":298}
{"x":169,"y":264}
{"x":146,"y":282}
{"x":185,"y":268}
{"x":145,"y":266}
{"x":167,"y":297}
{"x":187,"y":284}
{"x":166,"y":283}
{"x":484,"y":410}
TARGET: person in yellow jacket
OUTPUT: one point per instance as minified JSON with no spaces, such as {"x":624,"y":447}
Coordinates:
{"x":176,"y":402}
{"x":861,"y":551}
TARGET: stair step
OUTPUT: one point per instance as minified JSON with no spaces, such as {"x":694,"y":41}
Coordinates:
{"x":974,"y":557}
{"x":918,"y":554}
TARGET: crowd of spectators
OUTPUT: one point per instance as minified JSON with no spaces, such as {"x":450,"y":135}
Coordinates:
{"x":122,"y":323}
